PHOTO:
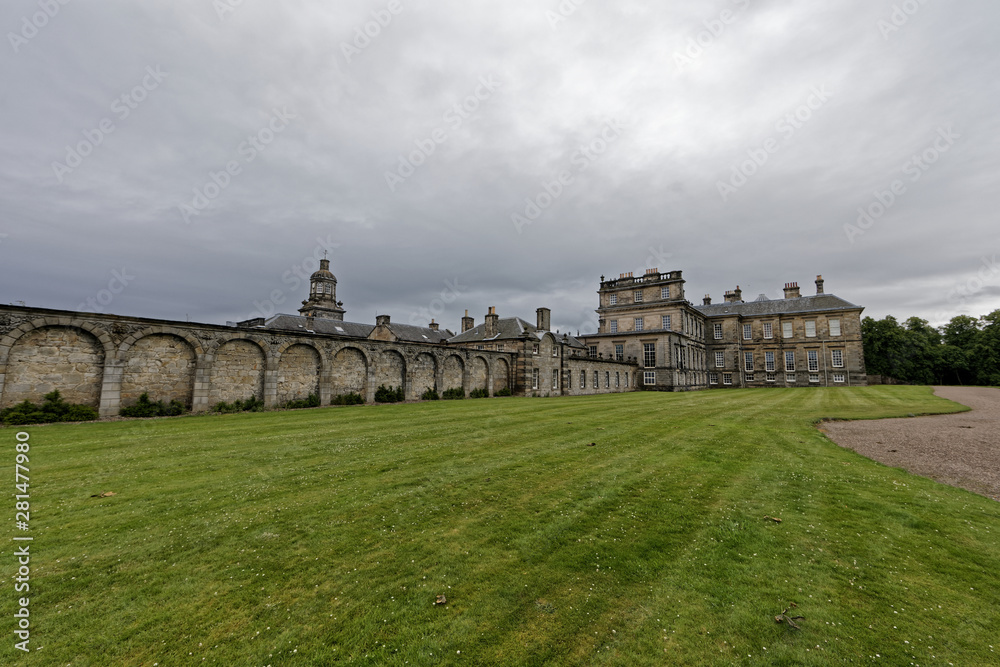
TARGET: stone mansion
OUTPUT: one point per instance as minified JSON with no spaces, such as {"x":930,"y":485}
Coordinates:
{"x":649,"y":337}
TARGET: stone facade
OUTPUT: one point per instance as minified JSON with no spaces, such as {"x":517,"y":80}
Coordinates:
{"x":797,"y":341}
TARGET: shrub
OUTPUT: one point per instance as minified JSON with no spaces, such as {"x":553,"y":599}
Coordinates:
{"x":53,"y":409}
{"x":348,"y":399}
{"x":388,"y":394}
{"x":252,"y":404}
{"x":453,"y":394}
{"x":147,"y":408}
{"x":479,"y":393}
{"x":504,"y":392}
{"x":311,"y":401}
{"x":429,"y":395}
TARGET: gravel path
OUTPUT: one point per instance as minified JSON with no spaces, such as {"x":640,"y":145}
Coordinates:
{"x":961,"y":450}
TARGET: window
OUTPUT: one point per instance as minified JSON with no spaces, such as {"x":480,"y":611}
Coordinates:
{"x":768,"y":330}
{"x":747,"y":332}
{"x":626,"y":379}
{"x":713,"y":378}
{"x":649,"y":377}
{"x":727,"y":378}
{"x":592,"y":350}
{"x":769,"y":362}
{"x":614,"y":326}
{"x":789,"y":377}
{"x":834,"y":327}
{"x":500,"y":347}
{"x":534,"y":348}
{"x":720,"y":359}
{"x":717,"y":328}
{"x":638,"y":324}
{"x":649,"y":355}
{"x":613,"y":300}
{"x":790,"y":362}
{"x":480,"y":347}
{"x":786,"y":329}
{"x":839,"y":377}
{"x":811,"y":329}
{"x":618,"y":379}
{"x":770,"y":377}
{"x":638,"y":296}
{"x":597,"y":381}
{"x":534,"y":378}
{"x":555,"y":350}
{"x":813,"y":357}
{"x":665,"y":322}
{"x":555,"y":379}
{"x":619,"y":352}
{"x":569,"y":380}
{"x":748,"y":361}
{"x":838,"y":358}
{"x":607,"y":379}
{"x":749,"y":377}
{"x":583,"y":379}
{"x":664,"y":292}
{"x":814,"y":378}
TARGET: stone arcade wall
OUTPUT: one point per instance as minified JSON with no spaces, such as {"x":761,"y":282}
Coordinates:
{"x":107,"y":361}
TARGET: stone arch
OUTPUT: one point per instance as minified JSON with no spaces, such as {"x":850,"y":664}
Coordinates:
{"x":127,"y":344}
{"x":44,"y":357}
{"x":423,"y":374}
{"x":8,"y":340}
{"x":349,"y":372}
{"x":299,"y":366}
{"x":453,"y":373}
{"x":501,"y":375}
{"x":390,"y":370}
{"x":479,"y":373}
{"x":237,"y":371}
{"x":160,"y":364}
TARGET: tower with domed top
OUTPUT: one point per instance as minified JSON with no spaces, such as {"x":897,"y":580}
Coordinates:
{"x":322,"y":302}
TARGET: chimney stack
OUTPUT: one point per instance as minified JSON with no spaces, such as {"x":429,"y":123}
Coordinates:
{"x":467,"y":322}
{"x":381,"y":320}
{"x":819,"y":284}
{"x":708,"y":300}
{"x":492,"y":323}
{"x":792,"y":291}
{"x":734,"y":296}
{"x":434,"y":326}
{"x":544,"y":320}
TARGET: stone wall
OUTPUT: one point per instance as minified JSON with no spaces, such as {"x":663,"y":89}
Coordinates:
{"x":107,"y":361}
{"x":161,"y":365}
{"x":299,"y":370}
{"x":49,"y":358}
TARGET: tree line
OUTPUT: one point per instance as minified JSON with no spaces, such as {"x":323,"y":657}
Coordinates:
{"x":964,"y":351}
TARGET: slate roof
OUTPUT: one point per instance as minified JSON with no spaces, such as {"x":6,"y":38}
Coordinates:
{"x":758,"y":308}
{"x":511,"y":328}
{"x":403,"y":332}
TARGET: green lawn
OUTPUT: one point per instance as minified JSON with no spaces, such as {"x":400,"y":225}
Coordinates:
{"x":316,"y":536}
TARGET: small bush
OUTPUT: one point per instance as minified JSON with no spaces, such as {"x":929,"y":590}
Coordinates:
{"x":53,"y":409}
{"x":388,"y":394}
{"x":311,"y":401}
{"x":348,"y":399}
{"x":147,"y":408}
{"x":430,"y":395}
{"x":504,"y":392}
{"x":479,"y":393}
{"x":453,"y":394}
{"x":252,"y":404}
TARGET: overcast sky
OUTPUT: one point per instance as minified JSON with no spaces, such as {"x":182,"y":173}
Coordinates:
{"x":185,"y":159}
